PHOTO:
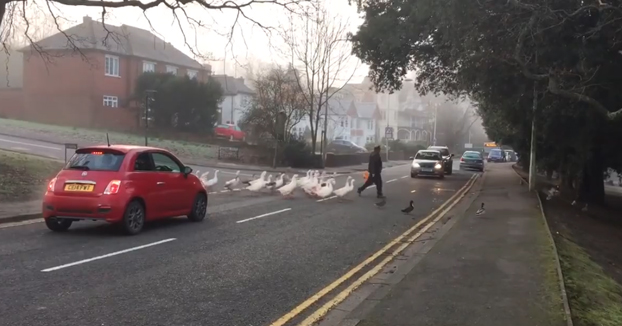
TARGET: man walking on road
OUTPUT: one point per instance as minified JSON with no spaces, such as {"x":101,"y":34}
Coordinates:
{"x":374,"y":168}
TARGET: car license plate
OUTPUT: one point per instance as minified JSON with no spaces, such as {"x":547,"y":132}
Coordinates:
{"x":79,"y":187}
{"x":427,"y":170}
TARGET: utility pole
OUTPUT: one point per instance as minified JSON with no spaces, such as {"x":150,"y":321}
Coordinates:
{"x":532,"y":154}
{"x":148,"y":99}
{"x":434,"y":132}
{"x":324,"y":139}
{"x":386,"y":139}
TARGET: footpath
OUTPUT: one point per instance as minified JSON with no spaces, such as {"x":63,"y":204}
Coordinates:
{"x":489,"y":270}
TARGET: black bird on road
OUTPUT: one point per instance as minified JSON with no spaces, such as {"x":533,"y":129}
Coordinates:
{"x":410,"y":208}
{"x":480,"y":211}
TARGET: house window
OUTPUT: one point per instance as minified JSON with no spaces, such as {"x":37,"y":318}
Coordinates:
{"x":111,"y":101}
{"x":192,"y":74}
{"x":171,"y":70}
{"x":370,"y":124}
{"x":149,"y":66}
{"x":112,"y":66}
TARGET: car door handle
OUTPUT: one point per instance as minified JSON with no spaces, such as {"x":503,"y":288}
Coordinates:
{"x":159,"y":183}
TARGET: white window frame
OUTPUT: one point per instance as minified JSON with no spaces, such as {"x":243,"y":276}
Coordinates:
{"x":111,"y":66}
{"x":171,"y":69}
{"x":149,"y":64}
{"x":192,"y":73}
{"x":111,"y":101}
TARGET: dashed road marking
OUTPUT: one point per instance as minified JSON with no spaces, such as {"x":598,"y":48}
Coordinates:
{"x":107,"y":255}
{"x":392,"y":180}
{"x":264,"y":215}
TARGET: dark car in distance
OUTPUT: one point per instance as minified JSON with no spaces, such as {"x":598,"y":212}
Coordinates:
{"x":341,"y":146}
{"x":472,"y":160}
{"x":496,"y":155}
{"x":448,"y":162}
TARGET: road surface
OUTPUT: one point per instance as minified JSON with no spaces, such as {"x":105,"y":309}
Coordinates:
{"x":252,"y":260}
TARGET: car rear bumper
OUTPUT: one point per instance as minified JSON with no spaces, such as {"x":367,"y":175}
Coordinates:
{"x":104,"y":208}
{"x":476,"y":166}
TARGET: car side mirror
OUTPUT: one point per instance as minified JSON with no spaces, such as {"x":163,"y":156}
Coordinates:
{"x":187,"y":170}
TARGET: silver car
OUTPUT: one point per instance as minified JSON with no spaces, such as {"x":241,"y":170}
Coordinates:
{"x":427,"y":162}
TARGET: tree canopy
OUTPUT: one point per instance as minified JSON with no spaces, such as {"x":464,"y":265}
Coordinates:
{"x":503,"y":54}
{"x":180,"y":102}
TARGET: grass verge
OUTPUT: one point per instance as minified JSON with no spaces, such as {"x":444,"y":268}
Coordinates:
{"x":24,"y":177}
{"x":595,"y":299}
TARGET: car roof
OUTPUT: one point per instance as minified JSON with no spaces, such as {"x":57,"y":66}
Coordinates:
{"x":437,"y":147}
{"x":476,"y":152}
{"x":428,"y":151}
{"x":125,"y":148}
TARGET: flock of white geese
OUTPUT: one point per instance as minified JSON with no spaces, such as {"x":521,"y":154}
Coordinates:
{"x":314,"y":184}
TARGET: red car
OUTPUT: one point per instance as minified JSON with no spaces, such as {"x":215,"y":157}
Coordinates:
{"x":232,"y":132}
{"x":128,"y":185}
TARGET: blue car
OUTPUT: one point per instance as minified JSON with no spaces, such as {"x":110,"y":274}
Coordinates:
{"x":496,"y":155}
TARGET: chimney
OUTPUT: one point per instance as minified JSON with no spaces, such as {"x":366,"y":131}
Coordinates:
{"x":86,"y":19}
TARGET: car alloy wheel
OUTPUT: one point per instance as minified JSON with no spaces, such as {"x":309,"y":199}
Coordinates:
{"x":199,"y":208}
{"x":134,"y":218}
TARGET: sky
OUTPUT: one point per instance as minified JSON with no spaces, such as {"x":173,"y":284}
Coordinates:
{"x":210,"y":34}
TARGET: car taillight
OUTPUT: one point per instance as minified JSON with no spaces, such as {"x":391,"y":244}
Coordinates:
{"x":462,"y":159}
{"x":51,"y":185}
{"x":113,"y":187}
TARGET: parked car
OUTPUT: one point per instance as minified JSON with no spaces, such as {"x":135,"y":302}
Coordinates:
{"x":472,"y":160}
{"x":496,"y":155}
{"x":448,"y":162}
{"x":427,"y":162}
{"x":510,"y":156}
{"x":125,"y":185}
{"x":229,"y":131}
{"x":340,"y":146}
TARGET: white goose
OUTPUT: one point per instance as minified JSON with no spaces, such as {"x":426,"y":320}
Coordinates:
{"x":257,"y":185}
{"x":196,"y":173}
{"x":269,"y":184}
{"x":203,"y":178}
{"x":349,"y":186}
{"x":326,"y":191}
{"x":213,"y":181}
{"x":233,"y":182}
{"x":302,"y":181}
{"x":288,"y":189}
{"x":279,"y":181}
{"x":310,"y":186}
{"x":261,"y":178}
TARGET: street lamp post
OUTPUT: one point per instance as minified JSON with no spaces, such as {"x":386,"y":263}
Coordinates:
{"x":434,"y":132}
{"x":148,"y":98}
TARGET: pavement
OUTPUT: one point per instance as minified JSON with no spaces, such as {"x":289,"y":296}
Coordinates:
{"x":483,"y":270}
{"x":254,"y":259}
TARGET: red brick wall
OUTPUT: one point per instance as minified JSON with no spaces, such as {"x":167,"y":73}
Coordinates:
{"x":12,"y":103}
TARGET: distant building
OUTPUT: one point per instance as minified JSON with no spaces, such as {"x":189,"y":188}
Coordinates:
{"x":237,"y":97}
{"x":87,"y":75}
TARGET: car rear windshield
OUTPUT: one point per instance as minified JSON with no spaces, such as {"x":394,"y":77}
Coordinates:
{"x":495,"y":153}
{"x":444,"y":151}
{"x":472,"y":155}
{"x":427,"y":156}
{"x":95,"y":160}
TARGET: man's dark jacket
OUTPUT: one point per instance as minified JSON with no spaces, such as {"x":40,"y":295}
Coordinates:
{"x":375,"y":163}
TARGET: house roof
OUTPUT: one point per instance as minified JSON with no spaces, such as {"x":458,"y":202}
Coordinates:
{"x":342,"y":107}
{"x":122,"y":40}
{"x":367,"y":110}
{"x":232,"y":86}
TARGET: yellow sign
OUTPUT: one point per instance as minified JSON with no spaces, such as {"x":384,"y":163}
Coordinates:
{"x":490,"y":144}
{"x":79,"y":187}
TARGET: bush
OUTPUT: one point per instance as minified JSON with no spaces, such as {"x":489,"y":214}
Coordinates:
{"x":297,"y":154}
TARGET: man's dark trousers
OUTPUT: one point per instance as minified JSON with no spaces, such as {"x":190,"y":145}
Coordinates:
{"x":373,"y":179}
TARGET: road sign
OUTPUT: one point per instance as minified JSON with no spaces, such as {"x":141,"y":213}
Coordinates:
{"x":388,"y":133}
{"x":468,"y":145}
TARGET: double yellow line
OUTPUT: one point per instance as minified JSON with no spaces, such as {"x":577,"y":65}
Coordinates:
{"x":341,"y":296}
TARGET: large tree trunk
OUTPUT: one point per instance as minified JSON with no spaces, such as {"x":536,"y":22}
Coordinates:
{"x":592,"y":186}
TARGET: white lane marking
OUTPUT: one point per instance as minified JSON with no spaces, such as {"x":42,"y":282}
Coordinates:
{"x":404,"y":177}
{"x":107,"y":255}
{"x":28,"y":144}
{"x":263,"y":215}
{"x":413,"y":191}
{"x":392,"y":180}
{"x":324,"y":199}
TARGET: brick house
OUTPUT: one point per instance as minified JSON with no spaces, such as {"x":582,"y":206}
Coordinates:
{"x":86,"y":76}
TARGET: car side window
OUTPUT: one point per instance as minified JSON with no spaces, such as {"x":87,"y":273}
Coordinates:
{"x":143,"y":163}
{"x":164,"y":163}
